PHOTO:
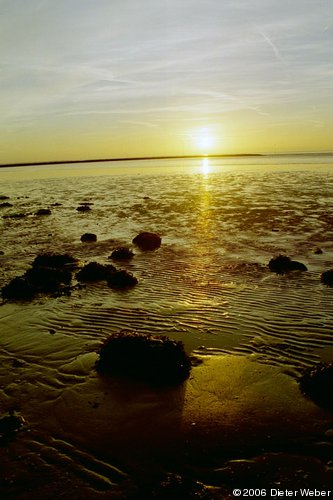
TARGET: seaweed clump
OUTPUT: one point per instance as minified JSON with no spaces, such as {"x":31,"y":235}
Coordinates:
{"x":121,"y":253}
{"x":283,"y":264}
{"x":95,"y":272}
{"x":49,"y":273}
{"x":317,"y":384}
{"x":121,"y":279}
{"x":156,"y":360}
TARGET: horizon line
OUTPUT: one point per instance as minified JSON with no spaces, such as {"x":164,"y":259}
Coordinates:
{"x":126,"y":158}
{"x":163,"y":157}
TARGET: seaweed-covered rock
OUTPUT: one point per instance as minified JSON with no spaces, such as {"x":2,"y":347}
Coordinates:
{"x":147,"y":241}
{"x":122,"y":279}
{"x":153,"y":359}
{"x":317,"y":384}
{"x":327,"y":277}
{"x":88,"y":238}
{"x":83,"y":208}
{"x":54,"y":260}
{"x":47,"y":279}
{"x":43,"y":211}
{"x":121,"y":253}
{"x":5,"y":204}
{"x":19,"y":288}
{"x":283,"y":264}
{"x":95,"y":272}
{"x":317,"y":251}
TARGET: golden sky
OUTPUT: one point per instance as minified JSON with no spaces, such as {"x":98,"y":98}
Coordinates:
{"x":117,"y":78}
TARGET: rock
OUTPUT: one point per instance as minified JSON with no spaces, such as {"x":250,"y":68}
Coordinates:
{"x":10,"y":423}
{"x":43,"y":211}
{"x":18,"y":289}
{"x":317,"y":384}
{"x":2,"y":252}
{"x":283,"y":264}
{"x":121,"y":253}
{"x":95,"y":272}
{"x":327,"y":277}
{"x":54,"y":260}
{"x":318,"y":251}
{"x":56,"y":204}
{"x":122,"y":279}
{"x":153,"y":359}
{"x":47,"y":279}
{"x":3,"y":197}
{"x":147,"y":241}
{"x":6,"y":204}
{"x":88,"y":237}
{"x":83,"y":208}
{"x":14,"y":216}
{"x":86,"y":203}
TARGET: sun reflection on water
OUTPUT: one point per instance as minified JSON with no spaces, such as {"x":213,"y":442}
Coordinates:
{"x":205,"y":167}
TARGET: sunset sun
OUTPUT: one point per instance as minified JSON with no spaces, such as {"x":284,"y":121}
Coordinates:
{"x":204,"y":140}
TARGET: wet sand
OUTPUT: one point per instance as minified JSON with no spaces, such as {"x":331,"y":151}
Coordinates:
{"x":240,"y":420}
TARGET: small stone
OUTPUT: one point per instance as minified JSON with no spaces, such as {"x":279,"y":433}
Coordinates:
{"x":121,"y":253}
{"x":43,"y":211}
{"x":83,"y":208}
{"x":88,"y":238}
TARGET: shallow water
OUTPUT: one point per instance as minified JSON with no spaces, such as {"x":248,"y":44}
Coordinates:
{"x":208,"y":285}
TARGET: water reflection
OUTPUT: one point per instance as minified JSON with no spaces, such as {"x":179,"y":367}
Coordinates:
{"x":205,"y":166}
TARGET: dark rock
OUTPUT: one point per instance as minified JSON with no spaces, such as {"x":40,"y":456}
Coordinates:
{"x":47,"y":279}
{"x":10,"y":423}
{"x":153,"y":359}
{"x":147,"y":241}
{"x":318,"y":251}
{"x":283,"y":264}
{"x":3,"y":197}
{"x":56,"y":204}
{"x":95,"y":272}
{"x":18,"y":289}
{"x":121,"y":253}
{"x":122,"y":279}
{"x":86,"y":203}
{"x":43,"y":211}
{"x":17,"y":363}
{"x":5,"y":204}
{"x":327,"y":277}
{"x":54,"y":260}
{"x":83,"y":208}
{"x":14,"y":216}
{"x":88,"y":237}
{"x":317,"y":384}
{"x":2,"y":252}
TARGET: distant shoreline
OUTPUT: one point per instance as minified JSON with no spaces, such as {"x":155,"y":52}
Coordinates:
{"x":171,"y":157}
{"x":137,"y":158}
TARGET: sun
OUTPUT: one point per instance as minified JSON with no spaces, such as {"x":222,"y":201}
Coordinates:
{"x":203,"y":139}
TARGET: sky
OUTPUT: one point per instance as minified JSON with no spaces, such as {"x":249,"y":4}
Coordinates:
{"x":122,"y":78}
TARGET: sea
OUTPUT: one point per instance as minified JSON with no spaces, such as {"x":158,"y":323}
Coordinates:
{"x":241,"y":420}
